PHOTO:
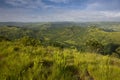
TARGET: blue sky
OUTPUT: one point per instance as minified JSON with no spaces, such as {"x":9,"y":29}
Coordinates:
{"x":59,"y":10}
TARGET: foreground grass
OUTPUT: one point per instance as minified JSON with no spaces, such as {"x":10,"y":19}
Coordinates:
{"x":19,"y":62}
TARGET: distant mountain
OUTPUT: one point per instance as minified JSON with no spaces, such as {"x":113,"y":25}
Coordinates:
{"x":70,"y":35}
{"x":69,"y":32}
{"x":110,"y":26}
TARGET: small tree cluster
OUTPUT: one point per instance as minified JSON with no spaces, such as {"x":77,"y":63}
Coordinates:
{"x":94,"y":46}
{"x":27,"y":41}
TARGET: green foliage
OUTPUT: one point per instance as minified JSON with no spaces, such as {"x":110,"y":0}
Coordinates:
{"x":94,"y":46}
{"x":66,"y":35}
{"x":21,"y":62}
{"x":110,"y":48}
{"x":2,"y":38}
{"x":27,"y":41}
{"x":58,"y":51}
{"x":118,"y":50}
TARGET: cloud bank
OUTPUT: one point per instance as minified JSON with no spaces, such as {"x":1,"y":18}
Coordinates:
{"x":59,"y":10}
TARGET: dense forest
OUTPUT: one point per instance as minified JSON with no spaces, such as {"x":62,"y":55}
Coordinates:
{"x":60,"y":51}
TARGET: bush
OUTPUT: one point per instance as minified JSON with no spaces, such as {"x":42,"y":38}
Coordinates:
{"x":94,"y":46}
{"x":27,"y":41}
{"x":110,"y":48}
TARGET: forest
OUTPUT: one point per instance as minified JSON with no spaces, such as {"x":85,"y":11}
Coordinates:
{"x":60,"y":51}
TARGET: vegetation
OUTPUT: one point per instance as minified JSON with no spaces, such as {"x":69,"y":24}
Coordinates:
{"x":25,"y":62}
{"x":46,"y":51}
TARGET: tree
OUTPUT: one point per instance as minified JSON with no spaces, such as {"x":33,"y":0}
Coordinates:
{"x":2,"y":38}
{"x":110,"y":48}
{"x":94,"y":46}
{"x":28,"y":41}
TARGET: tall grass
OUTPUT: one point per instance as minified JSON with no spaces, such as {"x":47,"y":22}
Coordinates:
{"x":19,"y":62}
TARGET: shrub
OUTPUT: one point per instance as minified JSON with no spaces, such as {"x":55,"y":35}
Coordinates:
{"x":94,"y":46}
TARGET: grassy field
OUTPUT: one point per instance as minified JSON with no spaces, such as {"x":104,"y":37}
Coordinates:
{"x":20,"y":62}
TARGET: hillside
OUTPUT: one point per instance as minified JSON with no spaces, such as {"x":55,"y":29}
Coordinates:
{"x":66,"y":34}
{"x":18,"y":61}
{"x":59,"y":51}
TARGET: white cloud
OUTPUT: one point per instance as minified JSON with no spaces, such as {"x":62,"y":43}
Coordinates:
{"x":77,"y":15}
{"x":27,"y":3}
{"x":85,"y":15}
{"x":60,"y":1}
{"x":28,"y":15}
{"x":112,"y":5}
{"x":111,"y":14}
{"x":93,"y":6}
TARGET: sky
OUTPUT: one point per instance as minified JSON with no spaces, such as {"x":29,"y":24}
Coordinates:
{"x":59,"y":10}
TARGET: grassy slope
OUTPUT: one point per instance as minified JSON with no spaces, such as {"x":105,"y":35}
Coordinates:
{"x":49,"y":63}
{"x":103,"y":36}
